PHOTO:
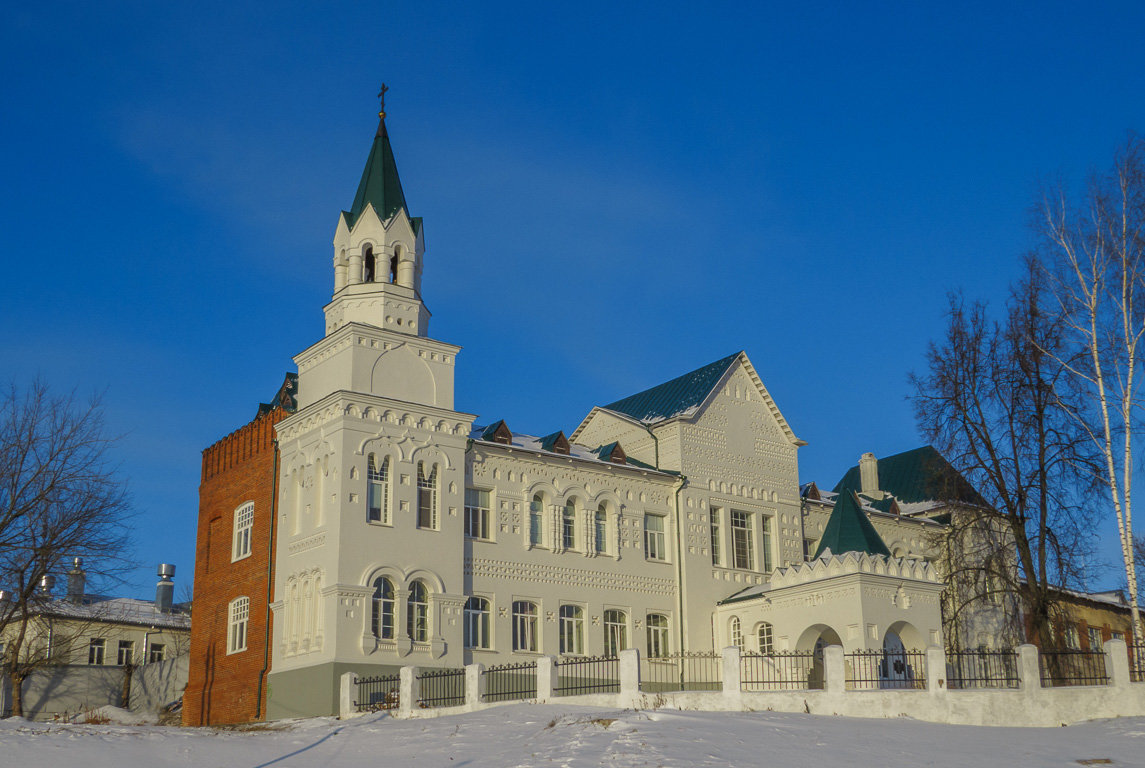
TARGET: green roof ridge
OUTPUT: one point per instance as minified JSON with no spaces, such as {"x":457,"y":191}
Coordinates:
{"x":380,"y":184}
{"x":850,"y":530}
{"x":672,"y":398}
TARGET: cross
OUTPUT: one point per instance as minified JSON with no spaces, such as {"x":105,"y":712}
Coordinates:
{"x":382,"y":97}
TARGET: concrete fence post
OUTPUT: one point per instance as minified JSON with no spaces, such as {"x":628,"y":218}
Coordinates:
{"x":546,"y":677}
{"x":1029,"y":669}
{"x":629,"y":677}
{"x":731,"y":677}
{"x":834,"y":670}
{"x":935,"y":669}
{"x":347,"y":694}
{"x":408,"y":692}
{"x":1117,"y":663}
{"x":474,"y":684}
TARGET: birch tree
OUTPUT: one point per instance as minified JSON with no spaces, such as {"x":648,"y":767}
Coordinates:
{"x":1095,"y":251}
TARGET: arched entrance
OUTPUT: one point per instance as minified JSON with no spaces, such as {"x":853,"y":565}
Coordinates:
{"x":897,"y":669}
{"x":815,"y":638}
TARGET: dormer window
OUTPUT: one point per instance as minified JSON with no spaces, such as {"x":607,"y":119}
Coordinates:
{"x":556,"y":443}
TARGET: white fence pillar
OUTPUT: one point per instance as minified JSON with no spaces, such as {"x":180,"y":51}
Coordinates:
{"x":834,"y":670}
{"x":408,"y":692}
{"x":546,"y":677}
{"x":347,"y":693}
{"x":935,"y":669}
{"x":629,"y":677}
{"x":1117,"y":663}
{"x":1029,"y":670}
{"x":731,"y":675}
{"x":474,"y":684}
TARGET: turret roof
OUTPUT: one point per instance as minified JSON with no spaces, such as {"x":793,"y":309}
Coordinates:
{"x":850,"y":530}
{"x":380,"y":185}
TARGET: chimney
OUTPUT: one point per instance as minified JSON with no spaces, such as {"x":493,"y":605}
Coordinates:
{"x":76,"y":578}
{"x":47,"y":584}
{"x":869,"y":474}
{"x":165,"y":589}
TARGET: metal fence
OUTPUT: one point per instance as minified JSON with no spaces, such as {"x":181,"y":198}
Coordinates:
{"x":1137,"y":663}
{"x":879,"y":670}
{"x":689,"y":671}
{"x":590,"y":674}
{"x":510,"y":682}
{"x":781,"y":671}
{"x":377,"y":693}
{"x":1061,"y":668}
{"x":967,"y":670}
{"x":441,"y":688}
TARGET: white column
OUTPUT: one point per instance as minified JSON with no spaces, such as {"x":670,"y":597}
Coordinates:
{"x":408,"y":692}
{"x":347,"y":689}
{"x":405,"y":272}
{"x":935,"y":669}
{"x":629,"y":677}
{"x":474,"y":684}
{"x":1117,"y":663}
{"x":546,"y":678}
{"x":355,"y":274}
{"x":732,"y":688}
{"x":1029,"y":671}
{"x":834,"y":669}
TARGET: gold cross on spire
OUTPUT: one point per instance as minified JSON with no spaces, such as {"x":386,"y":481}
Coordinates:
{"x":382,"y":98}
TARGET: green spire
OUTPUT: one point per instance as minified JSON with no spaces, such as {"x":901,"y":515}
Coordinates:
{"x":850,"y":530}
{"x":380,"y":184}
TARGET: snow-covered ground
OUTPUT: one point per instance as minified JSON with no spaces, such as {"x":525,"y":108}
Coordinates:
{"x":556,"y":735}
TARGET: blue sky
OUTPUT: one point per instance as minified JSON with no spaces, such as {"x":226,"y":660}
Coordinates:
{"x":613,"y":194}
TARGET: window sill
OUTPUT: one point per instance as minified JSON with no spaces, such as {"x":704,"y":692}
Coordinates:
{"x":657,"y":560}
{"x":482,"y":539}
{"x":380,"y":523}
{"x":240,"y":557}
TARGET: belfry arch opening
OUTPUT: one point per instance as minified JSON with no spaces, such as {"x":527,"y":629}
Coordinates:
{"x":394,"y":263}
{"x":368,"y":263}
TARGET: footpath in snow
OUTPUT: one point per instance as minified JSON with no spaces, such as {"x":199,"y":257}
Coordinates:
{"x":521,"y":736}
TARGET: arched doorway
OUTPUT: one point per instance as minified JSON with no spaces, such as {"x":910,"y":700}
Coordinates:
{"x":897,"y":669}
{"x":815,"y":638}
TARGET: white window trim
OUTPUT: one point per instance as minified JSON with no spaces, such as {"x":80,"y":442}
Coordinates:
{"x":241,"y":537}
{"x":385,"y":470}
{"x":661,"y":536}
{"x":488,"y":510}
{"x":240,"y":605}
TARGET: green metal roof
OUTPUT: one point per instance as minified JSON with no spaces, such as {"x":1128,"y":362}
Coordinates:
{"x":549,"y":442}
{"x":921,"y":474}
{"x":850,"y":530}
{"x":380,"y":184}
{"x":674,"y":397}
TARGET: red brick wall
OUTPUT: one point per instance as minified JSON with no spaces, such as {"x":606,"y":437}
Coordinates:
{"x":225,"y":688}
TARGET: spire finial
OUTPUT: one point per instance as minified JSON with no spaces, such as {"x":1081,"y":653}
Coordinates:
{"x":382,"y":99}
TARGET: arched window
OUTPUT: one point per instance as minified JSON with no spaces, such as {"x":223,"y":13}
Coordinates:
{"x":657,"y":624}
{"x":476,"y":623}
{"x":572,"y":629}
{"x":615,"y":632}
{"x":417,"y":613}
{"x":368,"y":263}
{"x":524,"y":626}
{"x":383,"y":612}
{"x":244,"y":523}
{"x":736,"y":633}
{"x":536,"y":509}
{"x":426,"y":496}
{"x":378,"y":489}
{"x":764,"y":638}
{"x":394,"y":263}
{"x":600,"y":523}
{"x":239,"y":611}
{"x":568,"y":525}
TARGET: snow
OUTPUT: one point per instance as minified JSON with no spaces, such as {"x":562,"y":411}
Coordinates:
{"x":575,"y":737}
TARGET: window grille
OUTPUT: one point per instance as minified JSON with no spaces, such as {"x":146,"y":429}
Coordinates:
{"x":524,"y":626}
{"x":601,"y":523}
{"x":378,"y":490}
{"x":476,"y":623}
{"x":417,"y":613}
{"x":236,"y":634}
{"x":426,"y":497}
{"x":657,"y":625}
{"x":742,"y":555}
{"x":383,"y":609}
{"x":568,"y":525}
{"x":615,"y":632}
{"x":655,"y":547}
{"x":476,"y":513}
{"x":244,"y":522}
{"x":572,"y":629}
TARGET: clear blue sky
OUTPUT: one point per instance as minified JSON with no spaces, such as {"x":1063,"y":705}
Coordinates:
{"x":613,"y":195}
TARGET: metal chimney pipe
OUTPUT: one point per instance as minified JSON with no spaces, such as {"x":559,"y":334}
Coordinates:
{"x":76,"y":581}
{"x":165,"y":589}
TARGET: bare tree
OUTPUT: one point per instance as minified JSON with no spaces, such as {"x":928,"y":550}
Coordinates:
{"x":989,"y":402}
{"x":60,"y":497}
{"x":1096,"y":254}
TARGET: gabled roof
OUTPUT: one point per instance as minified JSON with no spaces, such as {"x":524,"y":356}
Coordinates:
{"x":921,"y":474}
{"x":117,"y":610}
{"x":850,"y":530}
{"x":380,"y":185}
{"x":677,"y":397}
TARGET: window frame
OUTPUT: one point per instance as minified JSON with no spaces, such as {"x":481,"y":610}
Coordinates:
{"x":615,"y":631}
{"x":157,"y":653}
{"x":657,"y":637}
{"x":427,"y":498}
{"x":571,"y":628}
{"x":743,"y":551}
{"x":474,"y":512}
{"x":656,"y":542}
{"x":600,"y":530}
{"x":383,"y":610}
{"x":536,"y":529}
{"x":568,"y":525}
{"x":417,"y":612}
{"x":96,"y":650}
{"x":526,"y":615}
{"x":765,"y":637}
{"x":476,"y":623}
{"x":127,"y":646}
{"x":735,"y":632}
{"x":238,"y":618}
{"x":378,"y":480}
{"x":242,"y":531}
{"x":714,"y":533}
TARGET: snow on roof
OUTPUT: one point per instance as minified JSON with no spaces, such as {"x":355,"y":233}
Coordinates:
{"x":118,"y":610}
{"x":576,"y":451}
{"x":916,"y":511}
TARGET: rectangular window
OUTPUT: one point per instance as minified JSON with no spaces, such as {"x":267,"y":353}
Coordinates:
{"x":615,"y":632}
{"x":158,"y":652}
{"x":426,"y":498}
{"x":765,"y":542}
{"x":236,"y":630}
{"x":1071,"y":640}
{"x":95,"y":650}
{"x":378,"y":490}
{"x":535,"y":509}
{"x":244,"y":522}
{"x":477,"y":623}
{"x":715,"y":520}
{"x":126,"y":653}
{"x":568,"y":527}
{"x":572,"y":629}
{"x":655,"y":548}
{"x":1095,"y":641}
{"x":657,"y":625}
{"x":476,"y":513}
{"x":601,"y":524}
{"x":524,"y":626}
{"x":742,"y":554}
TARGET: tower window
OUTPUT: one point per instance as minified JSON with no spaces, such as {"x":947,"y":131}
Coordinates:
{"x":378,"y":490}
{"x":236,"y":630}
{"x":244,"y":522}
{"x":426,"y":497}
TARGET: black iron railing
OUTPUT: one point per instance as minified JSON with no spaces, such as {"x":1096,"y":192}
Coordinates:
{"x":689,"y":671}
{"x":441,"y":688}
{"x":591,"y":674}
{"x":967,"y":670}
{"x":1137,"y":663}
{"x":877,"y":670}
{"x":511,"y":682}
{"x":781,"y":671}
{"x":377,"y":693}
{"x":1061,"y":668}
